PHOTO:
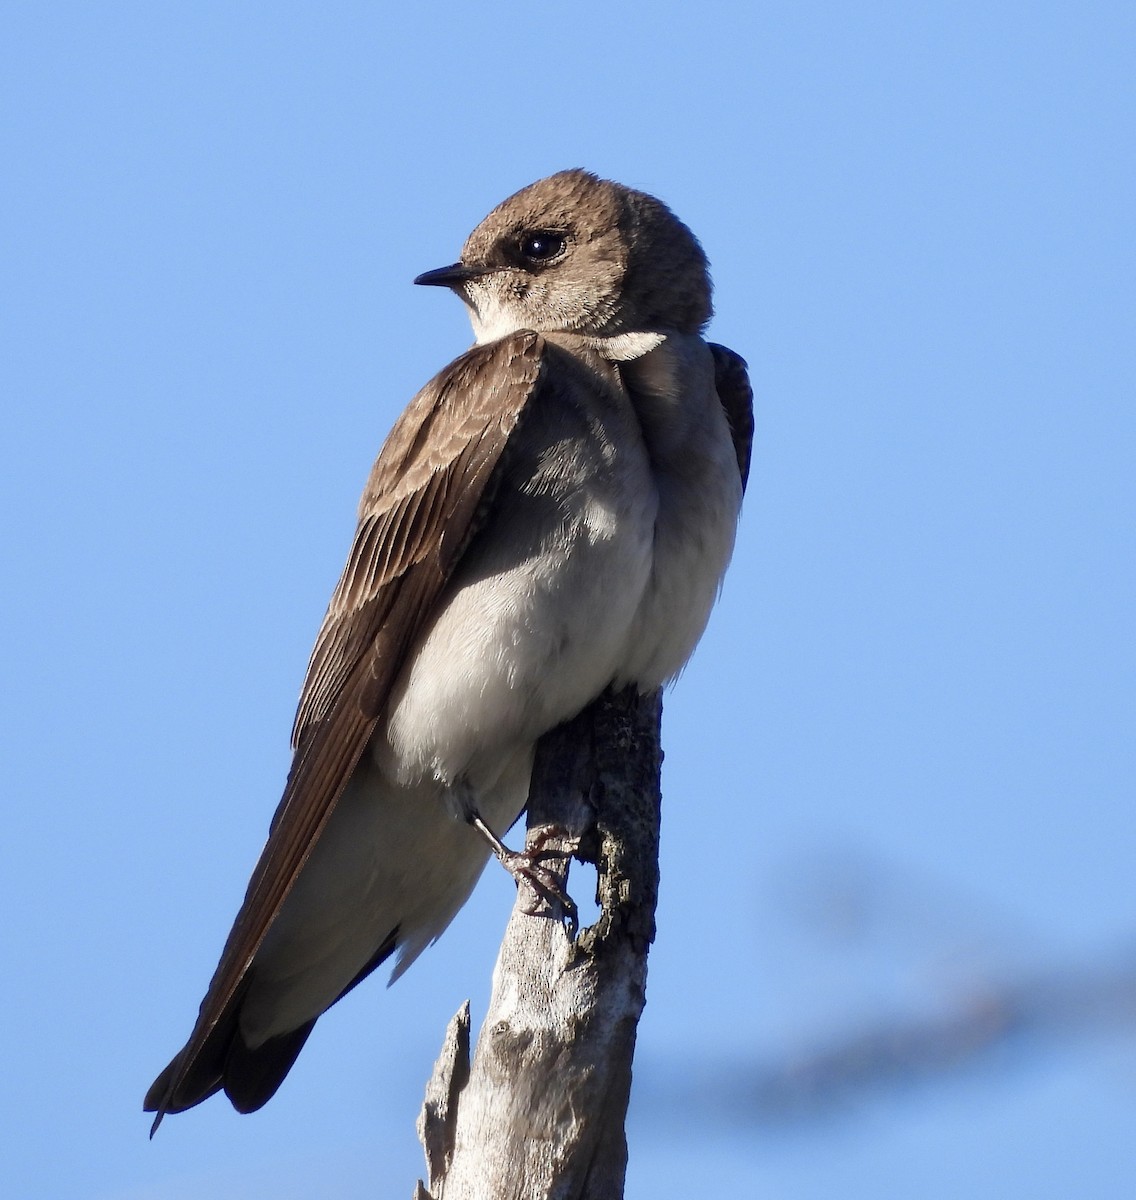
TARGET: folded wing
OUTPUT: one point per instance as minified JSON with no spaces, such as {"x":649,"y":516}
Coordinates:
{"x":427,"y":495}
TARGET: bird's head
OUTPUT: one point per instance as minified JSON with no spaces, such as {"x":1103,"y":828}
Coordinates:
{"x":574,"y":253}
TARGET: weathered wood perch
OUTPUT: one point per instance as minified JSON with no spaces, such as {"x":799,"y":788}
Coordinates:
{"x":539,"y":1115}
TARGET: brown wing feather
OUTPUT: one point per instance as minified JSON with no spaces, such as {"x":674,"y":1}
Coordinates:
{"x":429,"y":486}
{"x":731,"y":381}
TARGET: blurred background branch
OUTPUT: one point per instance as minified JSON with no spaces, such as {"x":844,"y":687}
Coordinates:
{"x":951,"y":995}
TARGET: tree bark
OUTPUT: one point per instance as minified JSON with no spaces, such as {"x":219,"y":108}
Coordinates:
{"x":539,"y":1115}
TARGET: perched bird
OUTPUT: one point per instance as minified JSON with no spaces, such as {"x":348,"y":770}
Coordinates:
{"x":553,"y":513}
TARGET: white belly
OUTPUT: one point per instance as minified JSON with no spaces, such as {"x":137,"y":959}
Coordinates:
{"x":535,"y":622}
{"x":515,"y":653}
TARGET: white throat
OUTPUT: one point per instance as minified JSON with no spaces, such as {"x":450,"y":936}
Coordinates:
{"x":491,"y":319}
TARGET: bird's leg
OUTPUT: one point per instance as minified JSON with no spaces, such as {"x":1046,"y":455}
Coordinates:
{"x":525,"y":866}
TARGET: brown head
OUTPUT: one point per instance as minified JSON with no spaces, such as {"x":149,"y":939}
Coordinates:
{"x":576,"y":253}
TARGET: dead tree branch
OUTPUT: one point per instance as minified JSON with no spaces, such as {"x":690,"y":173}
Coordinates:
{"x":542,"y":1114}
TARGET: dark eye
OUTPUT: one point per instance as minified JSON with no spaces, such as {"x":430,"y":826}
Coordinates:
{"x":541,"y":246}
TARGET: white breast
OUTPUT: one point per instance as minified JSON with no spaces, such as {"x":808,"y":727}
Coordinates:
{"x":534,"y":622}
{"x":601,"y":564}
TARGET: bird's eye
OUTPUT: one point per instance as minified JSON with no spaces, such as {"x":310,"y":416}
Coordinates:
{"x":541,"y":246}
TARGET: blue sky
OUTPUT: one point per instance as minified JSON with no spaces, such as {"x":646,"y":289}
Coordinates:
{"x":900,"y":768}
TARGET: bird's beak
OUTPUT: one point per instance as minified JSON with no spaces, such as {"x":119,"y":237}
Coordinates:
{"x":451,"y":276}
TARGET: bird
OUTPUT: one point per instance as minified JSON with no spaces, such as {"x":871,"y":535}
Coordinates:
{"x":551,"y":515}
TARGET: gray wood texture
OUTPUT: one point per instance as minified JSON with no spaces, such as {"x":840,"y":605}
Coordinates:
{"x":539,"y":1113}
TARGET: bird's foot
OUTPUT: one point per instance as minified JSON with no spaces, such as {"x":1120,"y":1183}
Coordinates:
{"x":542,"y":887}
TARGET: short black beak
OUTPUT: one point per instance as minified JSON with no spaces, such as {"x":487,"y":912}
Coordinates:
{"x":449,"y":276}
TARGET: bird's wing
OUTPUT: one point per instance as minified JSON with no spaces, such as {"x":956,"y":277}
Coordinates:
{"x":426,"y":497}
{"x":731,"y":382}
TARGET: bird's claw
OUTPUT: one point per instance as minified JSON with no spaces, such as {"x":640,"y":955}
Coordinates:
{"x":544,"y":885}
{"x":544,"y":888}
